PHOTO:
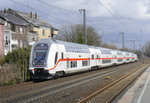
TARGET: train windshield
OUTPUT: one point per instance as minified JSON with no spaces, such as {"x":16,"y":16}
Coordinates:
{"x":40,"y":51}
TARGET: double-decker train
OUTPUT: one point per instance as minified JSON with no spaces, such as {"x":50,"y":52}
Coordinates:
{"x":53,"y":58}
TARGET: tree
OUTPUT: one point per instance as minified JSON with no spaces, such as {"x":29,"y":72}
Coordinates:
{"x":111,"y":46}
{"x":74,"y":33}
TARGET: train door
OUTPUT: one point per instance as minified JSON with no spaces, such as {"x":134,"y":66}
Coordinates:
{"x":67,"y":64}
{"x":92,"y":59}
{"x":97,"y":59}
{"x":57,"y":60}
{"x":60,"y":60}
{"x":115,"y":59}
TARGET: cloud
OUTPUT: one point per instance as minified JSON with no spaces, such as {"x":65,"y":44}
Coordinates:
{"x":130,"y":15}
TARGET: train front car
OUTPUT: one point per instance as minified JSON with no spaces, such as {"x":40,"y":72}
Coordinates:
{"x":38,"y":60}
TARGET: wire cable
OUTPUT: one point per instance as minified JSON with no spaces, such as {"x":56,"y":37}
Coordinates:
{"x":115,"y":17}
{"x":61,"y":20}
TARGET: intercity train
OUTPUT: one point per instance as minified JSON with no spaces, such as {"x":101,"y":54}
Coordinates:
{"x":54,"y":58}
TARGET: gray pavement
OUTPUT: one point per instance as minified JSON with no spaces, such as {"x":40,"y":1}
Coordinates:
{"x":138,"y":92}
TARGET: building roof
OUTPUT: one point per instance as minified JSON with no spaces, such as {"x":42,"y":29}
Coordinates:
{"x":10,"y":17}
{"x":32,"y":18}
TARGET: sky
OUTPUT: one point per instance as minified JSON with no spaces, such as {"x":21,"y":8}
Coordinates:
{"x":108,"y":17}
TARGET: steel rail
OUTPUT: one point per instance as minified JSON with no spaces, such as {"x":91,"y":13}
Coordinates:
{"x":110,"y":85}
{"x":56,"y":88}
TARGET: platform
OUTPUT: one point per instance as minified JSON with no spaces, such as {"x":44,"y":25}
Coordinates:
{"x":138,"y":92}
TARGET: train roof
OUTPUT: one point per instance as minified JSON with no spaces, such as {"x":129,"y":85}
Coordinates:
{"x":69,"y":46}
{"x":76,"y":47}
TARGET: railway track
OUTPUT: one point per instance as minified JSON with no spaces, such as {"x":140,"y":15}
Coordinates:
{"x":42,"y":90}
{"x":121,"y":84}
{"x":22,"y":86}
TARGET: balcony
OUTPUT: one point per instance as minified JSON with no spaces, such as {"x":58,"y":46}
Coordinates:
{"x":14,"y":42}
{"x":31,"y":43}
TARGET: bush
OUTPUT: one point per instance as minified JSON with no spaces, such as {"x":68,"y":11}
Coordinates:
{"x":2,"y":61}
{"x":10,"y":74}
{"x":20,"y":59}
{"x":18,"y":56}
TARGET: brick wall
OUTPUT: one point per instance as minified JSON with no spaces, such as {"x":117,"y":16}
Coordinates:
{"x":1,"y":40}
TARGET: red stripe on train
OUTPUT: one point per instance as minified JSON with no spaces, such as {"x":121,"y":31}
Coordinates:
{"x":79,"y":59}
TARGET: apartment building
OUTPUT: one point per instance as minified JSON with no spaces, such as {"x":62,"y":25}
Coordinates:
{"x":19,"y":29}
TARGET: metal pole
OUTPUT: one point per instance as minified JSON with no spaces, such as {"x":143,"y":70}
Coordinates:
{"x":133,"y":44}
{"x":84,"y":25}
{"x":122,"y":33}
{"x":133,"y":41}
{"x":123,"y":40}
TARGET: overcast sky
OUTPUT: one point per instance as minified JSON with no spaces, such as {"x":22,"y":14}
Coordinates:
{"x":108,"y":17}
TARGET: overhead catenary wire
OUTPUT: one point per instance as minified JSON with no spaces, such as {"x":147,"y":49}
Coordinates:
{"x":126,"y":24}
{"x":115,"y":17}
{"x":63,"y":11}
{"x":109,"y":12}
{"x":59,"y":20}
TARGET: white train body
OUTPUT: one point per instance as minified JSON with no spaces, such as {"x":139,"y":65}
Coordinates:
{"x":51,"y":58}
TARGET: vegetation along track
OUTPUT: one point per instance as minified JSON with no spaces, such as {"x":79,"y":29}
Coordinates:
{"x":35,"y":91}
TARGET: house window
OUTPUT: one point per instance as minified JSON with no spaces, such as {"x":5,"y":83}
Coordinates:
{"x":21,"y":30}
{"x":43,"y":32}
{"x":21,"y":43}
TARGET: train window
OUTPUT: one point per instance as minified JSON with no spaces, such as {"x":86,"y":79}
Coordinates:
{"x":76,"y":48}
{"x":106,"y":61}
{"x":119,"y":53}
{"x":73,"y":64}
{"x":84,"y":63}
{"x":92,"y":56}
{"x":62,"y":55}
{"x":105,"y":51}
{"x":40,"y":51}
{"x":56,"y":57}
{"x":120,"y":60}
